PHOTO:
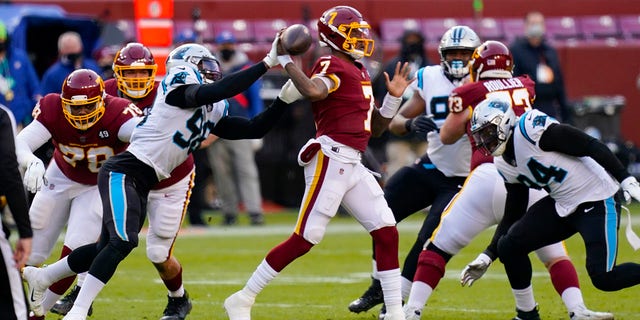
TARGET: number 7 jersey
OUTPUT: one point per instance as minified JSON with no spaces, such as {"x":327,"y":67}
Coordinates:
{"x":569,"y":180}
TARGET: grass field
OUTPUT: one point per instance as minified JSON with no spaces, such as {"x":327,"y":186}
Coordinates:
{"x":218,"y":260}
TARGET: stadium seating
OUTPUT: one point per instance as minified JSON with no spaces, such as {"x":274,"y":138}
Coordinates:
{"x":512,"y":28}
{"x":392,"y":29}
{"x":490,"y":29}
{"x":599,"y":27}
{"x":434,"y":28}
{"x":562,"y":28}
{"x":241,"y":29}
{"x":265,"y":30}
{"x":630,"y":26}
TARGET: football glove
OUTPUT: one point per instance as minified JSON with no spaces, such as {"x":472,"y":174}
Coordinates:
{"x":271,"y":60}
{"x":421,"y":125}
{"x":475,"y":270}
{"x":34,"y":175}
{"x":289,"y":93}
{"x":631,"y":189}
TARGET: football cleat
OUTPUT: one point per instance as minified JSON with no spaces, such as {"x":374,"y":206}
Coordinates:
{"x":256,"y":219}
{"x":396,"y":316}
{"x":36,"y":287}
{"x":65,"y":304}
{"x":238,"y":306}
{"x":582,"y":313}
{"x":527,"y":315}
{"x":177,"y":308}
{"x":412,"y":313}
{"x":75,"y":316}
{"x":369,"y":299}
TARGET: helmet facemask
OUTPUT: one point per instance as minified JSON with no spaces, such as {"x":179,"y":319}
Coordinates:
{"x":491,"y":125}
{"x":133,"y":84}
{"x":73,"y":107}
{"x":343,"y":29}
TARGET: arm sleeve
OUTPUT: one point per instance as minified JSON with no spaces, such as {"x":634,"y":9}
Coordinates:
{"x":572,"y":141}
{"x":10,"y":179}
{"x":235,"y":128}
{"x":124,"y":134}
{"x":514,"y":208}
{"x":194,"y":95}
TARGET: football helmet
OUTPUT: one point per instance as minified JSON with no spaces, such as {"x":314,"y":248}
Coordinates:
{"x":492,"y":122}
{"x":83,"y":98}
{"x":198,"y":57}
{"x":343,"y":29}
{"x":457,"y":38}
{"x":134,"y":56}
{"x":492,"y":59}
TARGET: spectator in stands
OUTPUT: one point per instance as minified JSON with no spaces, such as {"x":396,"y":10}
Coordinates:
{"x":18,"y":80}
{"x":534,"y":56}
{"x":233,"y":161}
{"x":70,"y":52}
{"x":401,"y":151}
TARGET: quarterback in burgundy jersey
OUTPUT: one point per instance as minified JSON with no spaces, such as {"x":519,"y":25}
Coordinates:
{"x":483,"y":194}
{"x":345,"y":116}
{"x":86,"y":128}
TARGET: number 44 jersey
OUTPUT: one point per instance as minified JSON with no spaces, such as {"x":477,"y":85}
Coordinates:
{"x":569,"y":180}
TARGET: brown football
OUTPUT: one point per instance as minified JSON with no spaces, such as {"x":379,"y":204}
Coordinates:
{"x":296,"y":39}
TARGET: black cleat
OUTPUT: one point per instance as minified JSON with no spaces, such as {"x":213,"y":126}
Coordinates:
{"x":65,"y":304}
{"x":177,"y":308}
{"x":383,"y":312}
{"x":256,"y":219}
{"x":527,"y":315}
{"x":369,"y":299}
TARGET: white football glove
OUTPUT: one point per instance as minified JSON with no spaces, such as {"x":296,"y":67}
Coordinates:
{"x":271,"y":60}
{"x":475,"y":270}
{"x":289,"y":93}
{"x":34,"y":175}
{"x":631,"y":189}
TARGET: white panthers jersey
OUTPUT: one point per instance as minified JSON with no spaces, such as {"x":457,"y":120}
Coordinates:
{"x":569,"y":180}
{"x":434,"y":87}
{"x":166,"y":136}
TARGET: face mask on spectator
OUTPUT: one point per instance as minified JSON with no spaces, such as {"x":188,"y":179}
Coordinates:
{"x":70,"y":59}
{"x":535,"y":31}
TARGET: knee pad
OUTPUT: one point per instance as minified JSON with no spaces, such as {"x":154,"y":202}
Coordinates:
{"x":314,"y":234}
{"x":157,"y":254}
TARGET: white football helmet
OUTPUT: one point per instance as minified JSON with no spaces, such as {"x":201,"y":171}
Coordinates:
{"x":491,"y":125}
{"x":198,"y":57}
{"x":457,"y":38}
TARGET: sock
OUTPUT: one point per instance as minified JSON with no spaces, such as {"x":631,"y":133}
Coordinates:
{"x":259,"y":279}
{"x":390,"y":282}
{"x":174,"y":285}
{"x":89,"y":291}
{"x":572,"y":298}
{"x":81,"y":277}
{"x":420,"y":293}
{"x":58,"y":270}
{"x":50,"y":299}
{"x":406,"y":287}
{"x":565,"y":280}
{"x":524,"y":298}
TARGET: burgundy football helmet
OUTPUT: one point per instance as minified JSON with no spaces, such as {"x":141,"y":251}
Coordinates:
{"x":343,"y":29}
{"x":83,"y":98}
{"x":492,"y":59}
{"x":135,"y":56}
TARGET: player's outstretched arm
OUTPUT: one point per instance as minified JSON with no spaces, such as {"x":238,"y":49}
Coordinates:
{"x":236,"y":128}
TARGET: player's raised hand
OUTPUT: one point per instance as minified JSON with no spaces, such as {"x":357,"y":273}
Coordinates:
{"x":475,"y":270}
{"x":401,"y":79}
{"x":631,"y":189}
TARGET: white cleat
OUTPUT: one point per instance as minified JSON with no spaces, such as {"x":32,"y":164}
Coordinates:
{"x":582,"y":313}
{"x":412,"y":313}
{"x":36,"y":287}
{"x":238,"y":306}
{"x":394,"y":316}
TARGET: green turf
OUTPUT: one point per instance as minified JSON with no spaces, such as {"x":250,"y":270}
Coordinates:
{"x":320,"y":285}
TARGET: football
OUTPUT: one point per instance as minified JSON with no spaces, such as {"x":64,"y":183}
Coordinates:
{"x":296,"y":39}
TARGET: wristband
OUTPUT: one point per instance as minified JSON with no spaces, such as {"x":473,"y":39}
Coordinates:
{"x":390,"y":106}
{"x":284,"y":60}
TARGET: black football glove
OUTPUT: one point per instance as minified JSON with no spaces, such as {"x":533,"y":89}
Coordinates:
{"x":420,"y":126}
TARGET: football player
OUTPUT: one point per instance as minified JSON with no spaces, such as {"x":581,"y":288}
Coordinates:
{"x":345,"y":116}
{"x":189,"y":107}
{"x":434,"y":179}
{"x":134,"y":70}
{"x":87,"y":127}
{"x":479,"y":200}
{"x":535,"y":151}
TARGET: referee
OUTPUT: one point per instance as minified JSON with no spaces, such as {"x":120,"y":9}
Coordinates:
{"x":12,"y":299}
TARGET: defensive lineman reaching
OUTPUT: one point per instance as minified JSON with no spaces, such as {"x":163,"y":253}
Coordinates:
{"x":482,"y":195}
{"x":535,"y":151}
{"x":345,"y":116}
{"x":434,"y":179}
{"x":187,"y":109}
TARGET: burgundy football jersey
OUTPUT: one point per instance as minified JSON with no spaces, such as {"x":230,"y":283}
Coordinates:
{"x":145,"y":104}
{"x":521,"y":91}
{"x":345,"y":115}
{"x":80,"y":153}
